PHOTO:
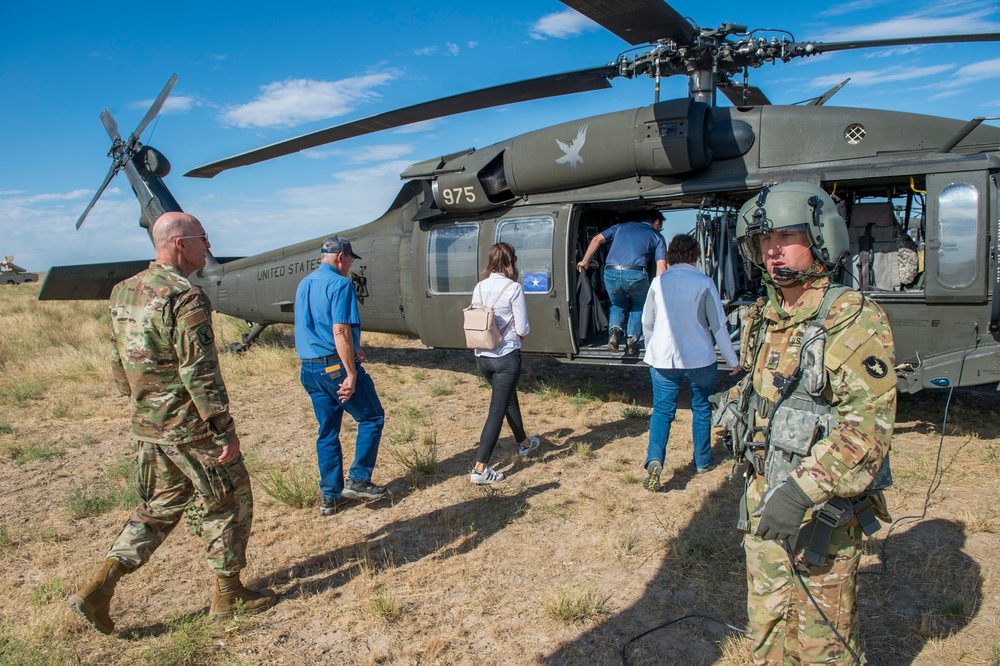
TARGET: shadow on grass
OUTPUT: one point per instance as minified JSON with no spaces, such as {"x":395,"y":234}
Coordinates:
{"x":929,"y":591}
{"x":441,"y":534}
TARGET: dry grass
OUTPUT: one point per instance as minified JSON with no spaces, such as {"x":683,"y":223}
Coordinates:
{"x":563,"y":563}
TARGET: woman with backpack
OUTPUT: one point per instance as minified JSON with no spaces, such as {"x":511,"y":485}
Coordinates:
{"x":501,"y":366}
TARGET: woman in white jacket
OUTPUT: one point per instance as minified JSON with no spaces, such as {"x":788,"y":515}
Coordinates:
{"x":682,"y":314}
{"x":502,"y":366}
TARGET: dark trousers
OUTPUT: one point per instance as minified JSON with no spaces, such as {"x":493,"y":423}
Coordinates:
{"x":503,"y":374}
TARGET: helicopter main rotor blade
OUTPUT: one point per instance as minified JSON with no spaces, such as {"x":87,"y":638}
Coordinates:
{"x":100,"y":191}
{"x":553,"y":85}
{"x":110,"y":125}
{"x":637,"y":21}
{"x":826,"y":47}
{"x":155,"y":108}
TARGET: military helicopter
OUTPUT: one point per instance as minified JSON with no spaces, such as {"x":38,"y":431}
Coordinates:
{"x":919,"y":193}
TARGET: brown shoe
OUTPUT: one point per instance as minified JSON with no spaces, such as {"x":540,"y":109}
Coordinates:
{"x":93,"y":603}
{"x":229,"y":594}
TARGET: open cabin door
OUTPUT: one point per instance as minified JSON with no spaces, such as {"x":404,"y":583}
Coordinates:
{"x":451,"y":255}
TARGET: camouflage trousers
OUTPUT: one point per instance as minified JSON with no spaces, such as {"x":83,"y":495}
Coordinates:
{"x":167,"y":478}
{"x":784,"y":623}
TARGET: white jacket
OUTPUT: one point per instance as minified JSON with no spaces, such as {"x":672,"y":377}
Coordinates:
{"x":683,"y":312}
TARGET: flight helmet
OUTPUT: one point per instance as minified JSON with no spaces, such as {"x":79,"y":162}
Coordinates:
{"x":788,"y":206}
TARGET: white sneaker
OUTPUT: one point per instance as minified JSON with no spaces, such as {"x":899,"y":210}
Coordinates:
{"x":488,"y":475}
{"x":533,"y":443}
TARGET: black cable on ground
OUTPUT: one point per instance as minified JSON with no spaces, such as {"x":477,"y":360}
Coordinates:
{"x":936,"y":476}
{"x":675,"y":621}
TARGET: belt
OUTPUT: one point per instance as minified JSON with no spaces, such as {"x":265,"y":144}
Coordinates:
{"x":626,"y":268}
{"x":321,"y":359}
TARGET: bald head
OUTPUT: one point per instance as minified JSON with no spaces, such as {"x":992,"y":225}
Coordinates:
{"x":180,"y":240}
{"x":169,"y":225}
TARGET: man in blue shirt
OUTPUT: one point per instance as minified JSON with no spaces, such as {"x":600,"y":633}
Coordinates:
{"x":633,"y":244}
{"x":328,"y":342}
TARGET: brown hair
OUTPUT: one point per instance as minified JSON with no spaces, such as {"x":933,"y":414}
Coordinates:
{"x":683,"y":250}
{"x":501,"y":260}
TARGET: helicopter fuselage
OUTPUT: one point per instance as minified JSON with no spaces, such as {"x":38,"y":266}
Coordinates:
{"x":422,"y":258}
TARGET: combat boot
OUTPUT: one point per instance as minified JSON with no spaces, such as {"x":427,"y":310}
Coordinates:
{"x":93,"y":603}
{"x":228,"y":594}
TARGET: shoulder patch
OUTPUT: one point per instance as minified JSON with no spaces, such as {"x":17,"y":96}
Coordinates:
{"x":876,"y":367}
{"x":871,"y":367}
{"x":195,"y":318}
{"x":205,"y":335}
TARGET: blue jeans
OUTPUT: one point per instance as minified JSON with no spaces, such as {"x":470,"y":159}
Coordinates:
{"x":502,"y":373}
{"x":363,"y":406}
{"x":627,"y":291}
{"x":666,"y":386}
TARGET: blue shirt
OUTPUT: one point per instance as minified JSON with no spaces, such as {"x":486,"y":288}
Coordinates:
{"x":322,"y":299}
{"x":634,"y":243}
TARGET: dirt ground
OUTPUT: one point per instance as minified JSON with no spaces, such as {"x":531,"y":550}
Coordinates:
{"x":565,"y":562}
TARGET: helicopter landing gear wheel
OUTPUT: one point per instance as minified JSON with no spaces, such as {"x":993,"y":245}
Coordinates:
{"x":247,"y":339}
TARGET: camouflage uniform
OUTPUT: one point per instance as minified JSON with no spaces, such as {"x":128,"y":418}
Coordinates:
{"x":858,"y":360}
{"x":164,"y":357}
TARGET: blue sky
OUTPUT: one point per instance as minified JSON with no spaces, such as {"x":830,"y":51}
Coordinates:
{"x":254,"y":73}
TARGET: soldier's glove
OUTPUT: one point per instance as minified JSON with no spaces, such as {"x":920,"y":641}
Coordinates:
{"x":781,"y":511}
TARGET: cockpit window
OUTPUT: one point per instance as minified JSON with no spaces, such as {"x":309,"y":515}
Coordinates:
{"x":958,"y":211}
{"x":451,"y":259}
{"x":531,"y":238}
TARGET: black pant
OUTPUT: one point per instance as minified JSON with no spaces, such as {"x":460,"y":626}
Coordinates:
{"x":502,"y":373}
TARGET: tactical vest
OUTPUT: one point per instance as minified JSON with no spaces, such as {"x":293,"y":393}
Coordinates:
{"x":800,"y":419}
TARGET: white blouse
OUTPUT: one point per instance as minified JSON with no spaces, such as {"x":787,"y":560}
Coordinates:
{"x":510,"y":306}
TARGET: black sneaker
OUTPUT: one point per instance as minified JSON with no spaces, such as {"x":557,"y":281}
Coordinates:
{"x":632,"y":346}
{"x":614,"y":337}
{"x":329,"y":507}
{"x":363,"y":490}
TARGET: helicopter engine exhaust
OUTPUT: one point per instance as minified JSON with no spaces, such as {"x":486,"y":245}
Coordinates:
{"x":664,"y":139}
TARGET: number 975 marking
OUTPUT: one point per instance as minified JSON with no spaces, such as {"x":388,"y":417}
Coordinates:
{"x":456,"y":195}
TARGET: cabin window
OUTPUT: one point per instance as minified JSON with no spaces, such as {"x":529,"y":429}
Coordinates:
{"x":958,"y":212}
{"x":451,"y":259}
{"x":532,"y":242}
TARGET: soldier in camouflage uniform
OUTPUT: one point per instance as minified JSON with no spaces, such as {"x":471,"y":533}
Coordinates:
{"x":164,"y":358}
{"x":813,"y":417}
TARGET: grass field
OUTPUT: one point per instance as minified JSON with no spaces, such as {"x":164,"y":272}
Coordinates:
{"x":563,"y":563}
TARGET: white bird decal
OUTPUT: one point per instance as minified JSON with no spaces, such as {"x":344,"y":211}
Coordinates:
{"x":572,"y":156}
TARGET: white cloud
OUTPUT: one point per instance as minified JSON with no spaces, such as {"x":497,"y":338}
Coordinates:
{"x":39,"y":229}
{"x":562,"y":25}
{"x":362,"y":155}
{"x":471,"y":45}
{"x":933,"y":20}
{"x":413,"y":128}
{"x":425,"y":51}
{"x":174,"y":104}
{"x":876,"y":76}
{"x":452,"y":47}
{"x":843,"y":8}
{"x":296,"y":101}
{"x":352,"y":198}
{"x":389,"y":151}
{"x":975,"y":73}
{"x":946,"y":94}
